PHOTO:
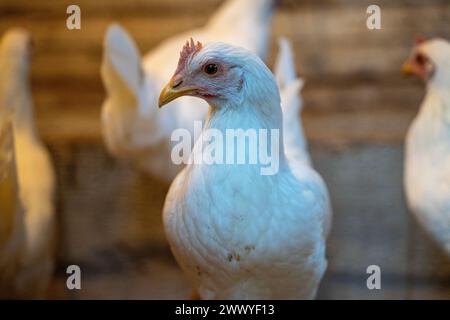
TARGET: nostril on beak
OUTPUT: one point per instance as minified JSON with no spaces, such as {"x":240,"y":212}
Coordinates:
{"x":177,"y":84}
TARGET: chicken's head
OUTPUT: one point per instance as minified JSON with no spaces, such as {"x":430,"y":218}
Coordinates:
{"x":221,"y":74}
{"x":430,"y":60}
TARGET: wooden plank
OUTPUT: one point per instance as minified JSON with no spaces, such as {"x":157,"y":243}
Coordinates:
{"x":378,"y":112}
{"x":105,"y":7}
{"x":326,"y":42}
{"x":337,"y":26}
{"x":168,"y":7}
{"x":340,"y":94}
{"x":332,"y":129}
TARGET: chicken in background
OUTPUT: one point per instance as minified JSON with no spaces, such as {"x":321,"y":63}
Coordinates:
{"x":11,"y":215}
{"x":291,"y":103}
{"x":132,"y":128}
{"x":427,"y":154}
{"x":238,"y":234}
{"x":35,"y":176}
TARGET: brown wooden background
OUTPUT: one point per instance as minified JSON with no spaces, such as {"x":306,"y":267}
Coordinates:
{"x":357,"y":109}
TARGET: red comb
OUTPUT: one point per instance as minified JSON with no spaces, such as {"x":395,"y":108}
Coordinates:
{"x":420,"y":39}
{"x":189,"y":49}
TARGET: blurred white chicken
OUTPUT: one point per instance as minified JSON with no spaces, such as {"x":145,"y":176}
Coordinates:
{"x":427,"y":158}
{"x":34,"y":172}
{"x":291,"y":104}
{"x":11,"y":215}
{"x":132,"y":128}
{"x":236,"y":233}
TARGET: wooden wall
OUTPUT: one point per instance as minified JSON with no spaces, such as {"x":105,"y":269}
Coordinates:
{"x":350,"y":71}
{"x":355,"y":97}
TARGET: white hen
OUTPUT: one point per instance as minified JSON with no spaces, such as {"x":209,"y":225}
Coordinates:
{"x":291,"y":104}
{"x":34,"y":170}
{"x":11,"y":215}
{"x":132,"y":128}
{"x":427,"y":158}
{"x":236,"y":233}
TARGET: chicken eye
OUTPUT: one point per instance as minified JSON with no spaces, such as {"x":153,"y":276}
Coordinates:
{"x":211,"y":69}
{"x":420,"y":59}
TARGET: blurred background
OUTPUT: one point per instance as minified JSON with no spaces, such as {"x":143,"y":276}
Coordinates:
{"x":357,"y":110}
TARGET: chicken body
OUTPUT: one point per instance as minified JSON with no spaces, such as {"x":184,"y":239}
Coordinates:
{"x":427,"y":154}
{"x":35,"y":226}
{"x":240,"y":236}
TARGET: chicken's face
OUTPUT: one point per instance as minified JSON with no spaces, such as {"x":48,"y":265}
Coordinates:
{"x":430,"y":61}
{"x":204,"y":72}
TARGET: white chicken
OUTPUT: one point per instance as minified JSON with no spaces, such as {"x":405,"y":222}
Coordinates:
{"x":11,"y":215}
{"x":427,"y":155}
{"x":34,"y":173}
{"x":238,"y":233}
{"x":132,"y":128}
{"x":291,"y":104}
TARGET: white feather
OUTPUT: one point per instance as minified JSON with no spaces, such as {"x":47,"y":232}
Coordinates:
{"x":34,"y":172}
{"x":427,"y":154}
{"x":291,"y":103}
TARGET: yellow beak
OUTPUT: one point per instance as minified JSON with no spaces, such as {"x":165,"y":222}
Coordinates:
{"x":169,"y":93}
{"x":407,"y":68}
